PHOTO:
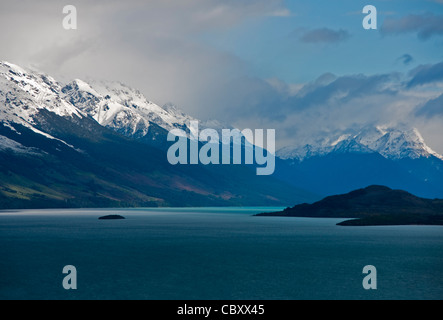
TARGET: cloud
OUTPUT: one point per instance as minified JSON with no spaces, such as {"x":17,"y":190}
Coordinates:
{"x":155,"y":46}
{"x":426,"y":74}
{"x":432,"y":108}
{"x":406,"y":59}
{"x":326,"y":104}
{"x":425,"y":25}
{"x":343,"y":89}
{"x":301,"y":113}
{"x":158,"y":47}
{"x":324,"y":35}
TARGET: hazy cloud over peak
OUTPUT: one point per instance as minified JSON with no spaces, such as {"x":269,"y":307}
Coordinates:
{"x":333,"y":103}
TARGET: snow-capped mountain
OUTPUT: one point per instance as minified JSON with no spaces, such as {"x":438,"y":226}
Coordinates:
{"x":27,"y":94}
{"x":127,"y":111}
{"x":24,"y":95}
{"x":343,"y":144}
{"x":102,"y":144}
{"x":396,"y":144}
{"x":65,"y":142}
{"x":391,"y":143}
{"x":117,"y":106}
{"x":395,"y":157}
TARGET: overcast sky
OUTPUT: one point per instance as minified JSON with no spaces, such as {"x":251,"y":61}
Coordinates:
{"x":302,"y":67}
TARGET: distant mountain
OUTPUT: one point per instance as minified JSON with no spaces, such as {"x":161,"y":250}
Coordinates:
{"x":396,"y":157}
{"x":127,"y":111}
{"x":391,"y":143}
{"x":374,"y":205}
{"x":102,"y":145}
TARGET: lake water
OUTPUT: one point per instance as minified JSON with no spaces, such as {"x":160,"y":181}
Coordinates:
{"x":212,"y":254}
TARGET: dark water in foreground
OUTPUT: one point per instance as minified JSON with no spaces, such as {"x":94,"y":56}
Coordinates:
{"x":212,"y":254}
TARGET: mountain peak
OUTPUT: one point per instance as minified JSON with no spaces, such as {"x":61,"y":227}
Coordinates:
{"x":400,"y":143}
{"x":122,"y":108}
{"x":391,"y":143}
{"x":25,"y":93}
{"x":80,"y":85}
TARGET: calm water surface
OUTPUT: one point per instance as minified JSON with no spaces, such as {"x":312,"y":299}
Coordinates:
{"x":208,"y":253}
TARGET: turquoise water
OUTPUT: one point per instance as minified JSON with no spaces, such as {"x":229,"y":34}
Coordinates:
{"x":212,"y":254}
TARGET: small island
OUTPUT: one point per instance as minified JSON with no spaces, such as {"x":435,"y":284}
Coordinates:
{"x":372,"y":206}
{"x":112,"y":217}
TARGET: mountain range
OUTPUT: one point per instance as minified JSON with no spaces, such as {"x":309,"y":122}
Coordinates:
{"x":102,"y":144}
{"x":391,"y":143}
{"x":397,"y":157}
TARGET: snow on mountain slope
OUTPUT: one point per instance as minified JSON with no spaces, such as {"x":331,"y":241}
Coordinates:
{"x":24,"y":94}
{"x":399,"y":144}
{"x":126,"y":110}
{"x":391,"y":143}
{"x":322,"y":148}
{"x":184,"y":119}
{"x":7,"y":144}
